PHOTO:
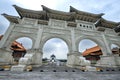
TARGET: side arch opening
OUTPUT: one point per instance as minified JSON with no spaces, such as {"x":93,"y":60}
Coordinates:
{"x":20,"y":46}
{"x":90,"y":50}
{"x":115,"y":49}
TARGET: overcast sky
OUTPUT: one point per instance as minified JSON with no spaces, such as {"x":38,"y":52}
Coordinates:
{"x":109,"y":7}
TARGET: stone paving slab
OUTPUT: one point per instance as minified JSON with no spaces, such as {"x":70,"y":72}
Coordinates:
{"x":48,"y":73}
{"x":35,"y":75}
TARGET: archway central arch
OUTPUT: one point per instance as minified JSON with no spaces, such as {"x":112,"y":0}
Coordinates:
{"x":48,"y":37}
{"x":57,"y":47}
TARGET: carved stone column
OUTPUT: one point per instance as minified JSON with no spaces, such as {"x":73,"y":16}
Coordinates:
{"x":73,"y":40}
{"x":109,"y":52}
{"x":38,"y":39}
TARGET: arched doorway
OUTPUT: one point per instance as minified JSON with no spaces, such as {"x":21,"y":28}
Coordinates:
{"x":56,"y":47}
{"x":90,"y":50}
{"x":115,"y":49}
{"x":20,"y":46}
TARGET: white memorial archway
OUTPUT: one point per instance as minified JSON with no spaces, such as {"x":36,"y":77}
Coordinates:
{"x":72,"y":27}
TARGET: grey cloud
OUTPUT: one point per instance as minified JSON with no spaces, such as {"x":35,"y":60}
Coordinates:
{"x":50,"y":47}
{"x":85,"y":44}
{"x":26,"y":42}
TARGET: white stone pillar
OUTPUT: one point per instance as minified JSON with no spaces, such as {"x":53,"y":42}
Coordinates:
{"x":106,"y":45}
{"x":73,"y":56}
{"x":39,"y":36}
{"x":73,"y":40}
{"x":6,"y":35}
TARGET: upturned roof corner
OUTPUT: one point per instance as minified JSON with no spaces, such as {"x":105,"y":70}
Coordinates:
{"x":13,"y":19}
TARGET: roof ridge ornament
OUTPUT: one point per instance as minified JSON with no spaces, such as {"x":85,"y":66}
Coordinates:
{"x":49,"y":10}
{"x":72,"y":9}
{"x":14,"y":19}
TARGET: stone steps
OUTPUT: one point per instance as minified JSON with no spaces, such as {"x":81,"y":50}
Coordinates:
{"x":50,"y":68}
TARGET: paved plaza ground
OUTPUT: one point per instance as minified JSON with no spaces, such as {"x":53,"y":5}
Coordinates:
{"x":60,"y":73}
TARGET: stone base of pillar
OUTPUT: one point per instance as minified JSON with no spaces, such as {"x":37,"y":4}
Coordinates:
{"x":73,"y":59}
{"x":109,"y":61}
{"x":38,"y":59}
{"x":35,"y":57}
{"x":36,"y":65}
{"x":76,"y":60}
{"x":18,"y":68}
{"x":5,"y":57}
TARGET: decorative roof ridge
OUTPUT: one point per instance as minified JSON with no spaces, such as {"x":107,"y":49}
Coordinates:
{"x":22,"y":10}
{"x":92,"y":49}
{"x":11,"y":18}
{"x":4,"y":14}
{"x":56,"y":11}
{"x":72,"y":9}
{"x":108,"y":21}
{"x":20,"y":46}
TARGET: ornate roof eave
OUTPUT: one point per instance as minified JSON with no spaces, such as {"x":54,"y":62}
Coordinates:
{"x":68,"y":16}
{"x":55,"y":11}
{"x":30,"y":13}
{"x":14,"y":19}
{"x":86,"y":18}
{"x":60,"y":17}
{"x":72,"y":9}
{"x":73,"y":15}
{"x":107,"y":24}
{"x":54,"y":14}
{"x":117,"y":29}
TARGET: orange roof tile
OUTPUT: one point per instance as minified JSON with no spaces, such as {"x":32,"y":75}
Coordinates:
{"x":15,"y":43}
{"x":19,"y":46}
{"x":1,"y":37}
{"x":91,"y":50}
